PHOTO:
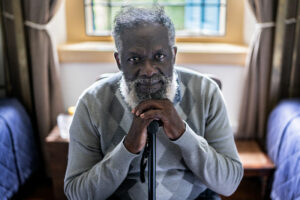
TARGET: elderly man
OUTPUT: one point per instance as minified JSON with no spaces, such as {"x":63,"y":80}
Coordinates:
{"x":195,"y":145}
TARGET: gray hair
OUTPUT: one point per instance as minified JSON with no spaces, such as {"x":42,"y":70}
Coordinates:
{"x":131,"y":17}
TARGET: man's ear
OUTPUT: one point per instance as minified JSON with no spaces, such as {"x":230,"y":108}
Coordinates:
{"x":116,"y":54}
{"x":174,"y":49}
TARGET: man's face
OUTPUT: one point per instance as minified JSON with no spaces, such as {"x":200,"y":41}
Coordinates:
{"x":147,"y":59}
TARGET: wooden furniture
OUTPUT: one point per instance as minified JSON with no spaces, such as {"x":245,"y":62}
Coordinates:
{"x":57,"y":149}
{"x":255,"y":162}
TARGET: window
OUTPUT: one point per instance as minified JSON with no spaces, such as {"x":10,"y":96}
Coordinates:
{"x":190,"y":17}
{"x":227,"y":49}
{"x":76,"y":23}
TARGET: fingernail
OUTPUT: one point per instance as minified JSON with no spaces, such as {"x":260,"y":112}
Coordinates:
{"x":142,"y":115}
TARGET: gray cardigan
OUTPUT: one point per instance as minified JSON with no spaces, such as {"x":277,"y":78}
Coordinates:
{"x":205,"y":156}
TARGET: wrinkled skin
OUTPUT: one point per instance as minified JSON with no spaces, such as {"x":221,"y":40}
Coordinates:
{"x":146,"y":54}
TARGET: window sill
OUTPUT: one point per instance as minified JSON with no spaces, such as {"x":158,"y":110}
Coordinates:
{"x":188,"y":53}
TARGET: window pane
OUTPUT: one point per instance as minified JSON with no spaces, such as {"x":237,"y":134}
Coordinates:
{"x":102,"y":21}
{"x":193,"y":14}
{"x":211,"y":16}
{"x":97,"y":19}
{"x":176,"y":13}
{"x":190,"y":17}
{"x":114,"y":11}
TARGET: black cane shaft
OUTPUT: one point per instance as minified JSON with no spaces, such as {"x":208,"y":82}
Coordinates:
{"x":152,"y":167}
{"x":152,"y":129}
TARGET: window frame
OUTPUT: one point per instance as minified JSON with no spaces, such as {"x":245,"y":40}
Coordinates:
{"x":75,"y":22}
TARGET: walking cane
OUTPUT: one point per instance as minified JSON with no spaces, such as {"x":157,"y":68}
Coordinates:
{"x":150,"y":153}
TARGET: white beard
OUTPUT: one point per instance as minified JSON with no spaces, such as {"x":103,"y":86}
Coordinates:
{"x":128,"y":91}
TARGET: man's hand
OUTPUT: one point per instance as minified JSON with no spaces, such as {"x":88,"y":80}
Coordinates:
{"x":136,"y":138}
{"x":164,"y":111}
{"x":144,"y":114}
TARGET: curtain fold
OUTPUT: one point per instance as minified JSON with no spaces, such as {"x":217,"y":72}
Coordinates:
{"x":11,"y":53}
{"x":284,"y":50}
{"x":47,"y":95}
{"x":294,"y":89}
{"x":286,"y":64}
{"x":259,"y":64}
{"x":15,"y":50}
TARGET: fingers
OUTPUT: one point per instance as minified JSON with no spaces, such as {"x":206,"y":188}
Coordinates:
{"x":153,"y":115}
{"x":150,"y":104}
{"x":149,"y":120}
{"x":163,"y":111}
{"x":136,"y":138}
{"x":141,"y":123}
{"x":146,"y":105}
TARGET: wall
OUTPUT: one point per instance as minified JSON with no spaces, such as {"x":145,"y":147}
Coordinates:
{"x":76,"y":77}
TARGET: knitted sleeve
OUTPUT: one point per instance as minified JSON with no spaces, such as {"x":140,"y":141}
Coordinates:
{"x":90,"y":175}
{"x":213,"y":158}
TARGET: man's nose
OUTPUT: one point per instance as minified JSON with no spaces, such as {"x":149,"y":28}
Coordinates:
{"x":148,"y":69}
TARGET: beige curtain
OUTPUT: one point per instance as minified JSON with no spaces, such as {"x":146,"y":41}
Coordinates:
{"x":254,"y":109}
{"x":16,"y":54}
{"x":285,"y":82}
{"x":44,"y":65}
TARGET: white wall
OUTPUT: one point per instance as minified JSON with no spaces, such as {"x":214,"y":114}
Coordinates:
{"x":76,"y":77}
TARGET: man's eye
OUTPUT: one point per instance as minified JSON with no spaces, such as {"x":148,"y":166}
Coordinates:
{"x":134,"y":59}
{"x":160,"y":57}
